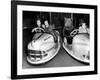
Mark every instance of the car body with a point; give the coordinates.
(42, 48)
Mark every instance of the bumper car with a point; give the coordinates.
(79, 49)
(42, 48)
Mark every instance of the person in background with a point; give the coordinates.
(49, 29)
(83, 28)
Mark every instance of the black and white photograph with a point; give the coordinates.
(53, 39)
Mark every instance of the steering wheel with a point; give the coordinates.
(74, 32)
(38, 30)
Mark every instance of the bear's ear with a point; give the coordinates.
(68, 20)
(65, 19)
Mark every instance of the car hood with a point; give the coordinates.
(44, 42)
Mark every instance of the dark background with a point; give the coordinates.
(30, 17)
